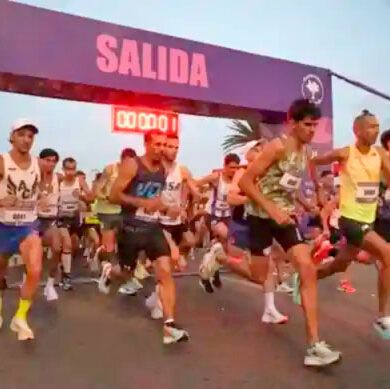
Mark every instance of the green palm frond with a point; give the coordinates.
(242, 132)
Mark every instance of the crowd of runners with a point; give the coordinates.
(147, 215)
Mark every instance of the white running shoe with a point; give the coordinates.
(153, 303)
(320, 354)
(22, 329)
(50, 293)
(174, 334)
(128, 288)
(140, 271)
(208, 266)
(274, 317)
(284, 288)
(382, 325)
(104, 280)
(137, 284)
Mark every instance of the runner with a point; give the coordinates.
(361, 165)
(71, 188)
(111, 219)
(137, 189)
(177, 187)
(48, 229)
(218, 214)
(270, 182)
(19, 188)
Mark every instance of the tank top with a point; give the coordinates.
(217, 204)
(172, 194)
(103, 205)
(148, 185)
(24, 185)
(52, 193)
(280, 183)
(359, 185)
(91, 214)
(69, 204)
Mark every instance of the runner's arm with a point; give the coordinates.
(97, 189)
(192, 186)
(88, 195)
(210, 179)
(234, 197)
(271, 153)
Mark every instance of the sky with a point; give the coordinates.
(350, 37)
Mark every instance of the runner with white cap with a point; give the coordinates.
(19, 188)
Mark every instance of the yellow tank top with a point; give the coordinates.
(359, 185)
(91, 217)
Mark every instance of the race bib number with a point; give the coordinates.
(290, 182)
(367, 192)
(18, 217)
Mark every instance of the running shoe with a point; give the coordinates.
(274, 318)
(50, 293)
(128, 288)
(104, 280)
(321, 354)
(217, 280)
(153, 303)
(137, 284)
(346, 287)
(382, 325)
(21, 328)
(206, 286)
(283, 287)
(174, 334)
(66, 283)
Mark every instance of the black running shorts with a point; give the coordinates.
(134, 237)
(263, 231)
(354, 231)
(176, 231)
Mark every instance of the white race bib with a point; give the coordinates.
(19, 216)
(367, 192)
(290, 182)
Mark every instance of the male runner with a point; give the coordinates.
(138, 189)
(174, 195)
(361, 166)
(218, 213)
(71, 188)
(271, 183)
(19, 188)
(111, 218)
(49, 188)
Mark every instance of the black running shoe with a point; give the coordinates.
(217, 280)
(67, 283)
(206, 285)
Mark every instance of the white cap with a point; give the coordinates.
(242, 150)
(20, 123)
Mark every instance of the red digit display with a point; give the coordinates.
(136, 119)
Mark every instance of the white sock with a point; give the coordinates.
(50, 282)
(66, 259)
(269, 302)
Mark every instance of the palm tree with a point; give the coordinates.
(242, 132)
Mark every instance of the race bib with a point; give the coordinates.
(290, 182)
(19, 217)
(367, 192)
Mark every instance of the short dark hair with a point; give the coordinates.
(128, 152)
(172, 135)
(149, 134)
(98, 176)
(80, 173)
(326, 173)
(229, 158)
(68, 160)
(303, 108)
(385, 137)
(46, 153)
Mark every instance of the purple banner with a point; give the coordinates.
(50, 45)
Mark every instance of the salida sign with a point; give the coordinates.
(140, 120)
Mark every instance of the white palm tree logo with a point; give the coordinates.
(312, 88)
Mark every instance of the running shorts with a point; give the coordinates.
(212, 220)
(353, 231)
(263, 231)
(176, 231)
(12, 236)
(382, 228)
(72, 224)
(136, 237)
(45, 224)
(239, 233)
(110, 221)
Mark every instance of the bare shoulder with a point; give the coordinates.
(1, 166)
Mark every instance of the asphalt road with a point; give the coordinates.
(90, 341)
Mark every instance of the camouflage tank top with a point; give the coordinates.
(281, 181)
